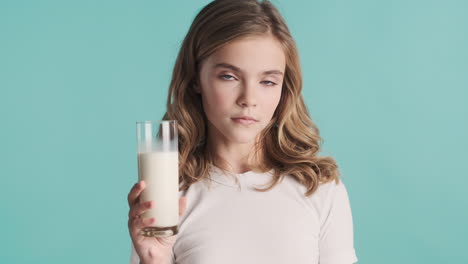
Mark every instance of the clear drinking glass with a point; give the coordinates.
(158, 166)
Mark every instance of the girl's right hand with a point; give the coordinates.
(149, 249)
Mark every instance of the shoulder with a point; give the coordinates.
(332, 188)
(327, 194)
(329, 189)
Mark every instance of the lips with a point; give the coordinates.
(245, 120)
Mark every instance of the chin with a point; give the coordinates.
(243, 138)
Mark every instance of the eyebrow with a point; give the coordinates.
(236, 69)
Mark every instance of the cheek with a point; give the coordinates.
(272, 103)
(217, 100)
(221, 99)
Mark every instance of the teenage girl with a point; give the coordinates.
(253, 189)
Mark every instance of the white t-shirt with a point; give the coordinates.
(232, 224)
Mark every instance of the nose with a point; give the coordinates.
(248, 96)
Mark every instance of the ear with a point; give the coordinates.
(196, 87)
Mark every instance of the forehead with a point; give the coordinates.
(254, 53)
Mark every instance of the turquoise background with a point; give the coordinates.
(385, 81)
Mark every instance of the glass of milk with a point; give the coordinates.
(158, 166)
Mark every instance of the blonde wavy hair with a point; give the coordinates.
(289, 143)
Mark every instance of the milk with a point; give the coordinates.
(160, 171)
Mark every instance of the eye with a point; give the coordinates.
(269, 83)
(227, 77)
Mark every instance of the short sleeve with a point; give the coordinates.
(336, 243)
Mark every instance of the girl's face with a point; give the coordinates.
(243, 78)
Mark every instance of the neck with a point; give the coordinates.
(235, 157)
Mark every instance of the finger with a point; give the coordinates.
(182, 205)
(135, 192)
(137, 224)
(138, 209)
